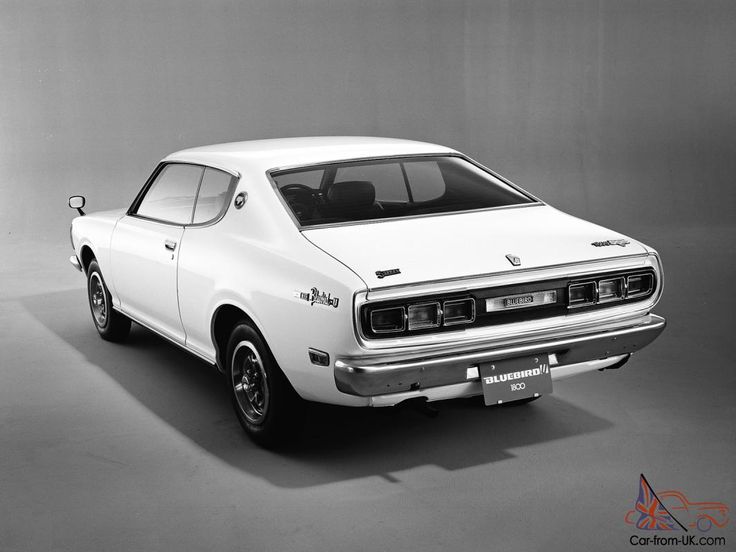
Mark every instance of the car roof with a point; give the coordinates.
(294, 152)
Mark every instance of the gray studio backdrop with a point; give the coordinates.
(619, 111)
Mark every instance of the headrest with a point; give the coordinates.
(352, 193)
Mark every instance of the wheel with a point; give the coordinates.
(111, 325)
(265, 403)
(704, 524)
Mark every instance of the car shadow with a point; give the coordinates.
(338, 443)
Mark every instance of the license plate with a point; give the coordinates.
(513, 379)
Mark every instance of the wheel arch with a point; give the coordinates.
(224, 319)
(86, 256)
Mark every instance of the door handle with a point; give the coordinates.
(170, 245)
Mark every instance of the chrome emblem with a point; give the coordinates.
(240, 199)
(514, 260)
(518, 301)
(622, 243)
(317, 297)
(381, 274)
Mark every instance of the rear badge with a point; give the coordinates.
(514, 260)
(533, 299)
(381, 274)
(522, 301)
(622, 243)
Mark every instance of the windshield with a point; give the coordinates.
(391, 188)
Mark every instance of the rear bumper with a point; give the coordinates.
(389, 381)
(75, 263)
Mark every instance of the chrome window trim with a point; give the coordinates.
(154, 175)
(534, 201)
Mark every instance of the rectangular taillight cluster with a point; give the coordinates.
(610, 289)
(425, 315)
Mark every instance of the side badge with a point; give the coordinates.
(513, 259)
(240, 199)
(317, 297)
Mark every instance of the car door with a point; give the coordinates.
(145, 248)
(205, 255)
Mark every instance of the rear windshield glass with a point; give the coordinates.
(391, 188)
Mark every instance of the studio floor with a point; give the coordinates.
(134, 446)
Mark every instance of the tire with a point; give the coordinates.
(110, 324)
(264, 401)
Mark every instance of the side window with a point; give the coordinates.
(425, 180)
(213, 195)
(387, 179)
(171, 196)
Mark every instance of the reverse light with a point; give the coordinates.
(390, 320)
(424, 315)
(610, 290)
(460, 311)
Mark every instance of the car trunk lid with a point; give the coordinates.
(459, 245)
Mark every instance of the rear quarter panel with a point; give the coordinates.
(257, 260)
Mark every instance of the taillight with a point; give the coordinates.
(458, 311)
(582, 294)
(639, 285)
(390, 320)
(622, 287)
(418, 316)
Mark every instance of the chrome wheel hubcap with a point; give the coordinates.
(98, 299)
(249, 382)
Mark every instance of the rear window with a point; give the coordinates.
(391, 188)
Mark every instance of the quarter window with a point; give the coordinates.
(171, 196)
(213, 195)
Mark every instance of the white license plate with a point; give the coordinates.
(513, 379)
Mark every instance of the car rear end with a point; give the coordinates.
(437, 340)
(472, 285)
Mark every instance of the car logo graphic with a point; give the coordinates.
(513, 259)
(381, 274)
(671, 511)
(622, 243)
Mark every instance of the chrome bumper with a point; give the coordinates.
(372, 377)
(75, 263)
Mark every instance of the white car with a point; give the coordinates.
(363, 272)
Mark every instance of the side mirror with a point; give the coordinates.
(77, 202)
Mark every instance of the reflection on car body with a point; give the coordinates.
(363, 272)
